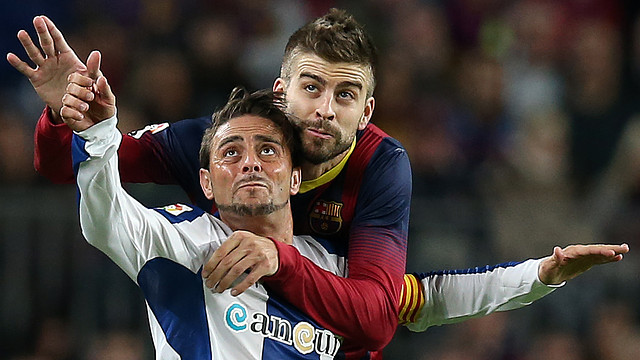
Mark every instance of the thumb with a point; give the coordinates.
(93, 64)
(105, 90)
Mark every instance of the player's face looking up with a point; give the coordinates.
(250, 168)
(329, 102)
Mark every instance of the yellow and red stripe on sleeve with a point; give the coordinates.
(411, 299)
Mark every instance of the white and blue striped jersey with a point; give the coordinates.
(163, 251)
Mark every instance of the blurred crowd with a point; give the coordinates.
(521, 119)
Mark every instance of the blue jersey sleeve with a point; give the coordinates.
(178, 146)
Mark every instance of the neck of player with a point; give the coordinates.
(312, 171)
(277, 225)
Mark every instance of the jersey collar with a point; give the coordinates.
(329, 175)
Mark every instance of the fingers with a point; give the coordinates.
(30, 48)
(20, 65)
(211, 271)
(254, 266)
(235, 272)
(75, 103)
(58, 40)
(81, 87)
(75, 100)
(70, 113)
(241, 252)
(93, 64)
(257, 272)
(223, 268)
(46, 41)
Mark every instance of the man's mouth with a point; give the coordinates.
(319, 133)
(252, 185)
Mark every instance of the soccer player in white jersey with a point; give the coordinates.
(250, 173)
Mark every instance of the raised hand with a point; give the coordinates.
(565, 264)
(241, 252)
(54, 63)
(88, 98)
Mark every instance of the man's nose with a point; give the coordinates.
(326, 106)
(251, 163)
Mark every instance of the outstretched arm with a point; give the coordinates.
(111, 220)
(446, 297)
(141, 157)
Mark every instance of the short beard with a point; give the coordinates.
(252, 210)
(316, 151)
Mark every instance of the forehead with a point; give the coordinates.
(246, 127)
(307, 63)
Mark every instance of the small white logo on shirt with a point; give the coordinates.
(153, 128)
(176, 209)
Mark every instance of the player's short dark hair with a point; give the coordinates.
(335, 37)
(263, 103)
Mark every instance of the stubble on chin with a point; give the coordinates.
(251, 210)
(318, 151)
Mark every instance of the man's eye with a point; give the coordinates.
(230, 152)
(311, 88)
(268, 151)
(345, 95)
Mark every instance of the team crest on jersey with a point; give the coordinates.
(153, 128)
(176, 209)
(326, 217)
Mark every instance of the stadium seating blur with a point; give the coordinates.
(520, 119)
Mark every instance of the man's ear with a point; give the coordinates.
(367, 113)
(296, 180)
(279, 85)
(205, 183)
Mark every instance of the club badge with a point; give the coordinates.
(325, 217)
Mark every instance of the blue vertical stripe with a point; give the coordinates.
(78, 153)
(176, 296)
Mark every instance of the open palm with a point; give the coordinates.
(53, 64)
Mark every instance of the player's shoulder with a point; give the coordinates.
(374, 147)
(372, 138)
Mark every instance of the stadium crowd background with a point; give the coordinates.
(521, 120)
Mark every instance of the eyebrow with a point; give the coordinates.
(267, 138)
(324, 82)
(229, 139)
(234, 138)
